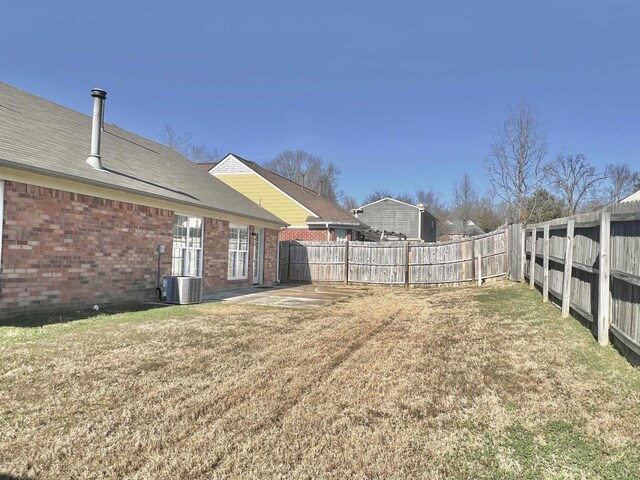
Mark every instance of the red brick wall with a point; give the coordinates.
(216, 257)
(62, 250)
(305, 234)
(65, 250)
(270, 259)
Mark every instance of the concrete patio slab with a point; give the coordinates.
(286, 296)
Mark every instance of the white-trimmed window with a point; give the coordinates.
(341, 234)
(238, 251)
(187, 246)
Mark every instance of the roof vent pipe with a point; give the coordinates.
(99, 96)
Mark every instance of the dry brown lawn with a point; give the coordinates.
(393, 383)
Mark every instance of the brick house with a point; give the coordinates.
(310, 215)
(93, 214)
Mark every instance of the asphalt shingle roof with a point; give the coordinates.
(43, 137)
(454, 227)
(327, 210)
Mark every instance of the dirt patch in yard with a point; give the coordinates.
(393, 383)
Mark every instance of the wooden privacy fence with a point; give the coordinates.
(400, 263)
(589, 265)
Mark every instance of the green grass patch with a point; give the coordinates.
(520, 304)
(14, 335)
(554, 449)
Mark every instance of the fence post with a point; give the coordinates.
(288, 260)
(507, 248)
(406, 264)
(473, 259)
(479, 269)
(545, 264)
(603, 280)
(568, 269)
(346, 262)
(532, 260)
(523, 250)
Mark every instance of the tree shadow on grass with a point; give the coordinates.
(32, 320)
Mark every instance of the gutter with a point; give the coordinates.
(354, 226)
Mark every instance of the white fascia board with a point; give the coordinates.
(388, 198)
(335, 224)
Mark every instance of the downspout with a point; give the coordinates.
(420, 224)
(277, 256)
(328, 233)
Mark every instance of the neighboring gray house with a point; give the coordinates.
(454, 230)
(403, 219)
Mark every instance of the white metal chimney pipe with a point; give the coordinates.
(99, 97)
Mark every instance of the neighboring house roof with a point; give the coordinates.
(39, 136)
(634, 197)
(417, 207)
(323, 210)
(455, 227)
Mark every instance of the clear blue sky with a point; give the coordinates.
(399, 95)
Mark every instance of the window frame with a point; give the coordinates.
(232, 272)
(343, 238)
(187, 249)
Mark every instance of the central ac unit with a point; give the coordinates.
(183, 290)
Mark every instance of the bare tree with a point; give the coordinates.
(405, 197)
(183, 144)
(377, 194)
(347, 202)
(573, 180)
(465, 201)
(307, 170)
(435, 206)
(621, 181)
(515, 160)
(431, 201)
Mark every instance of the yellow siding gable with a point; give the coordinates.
(256, 188)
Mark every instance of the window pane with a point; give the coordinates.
(233, 238)
(232, 263)
(242, 264)
(187, 245)
(238, 251)
(179, 243)
(177, 263)
(194, 263)
(195, 232)
(244, 239)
